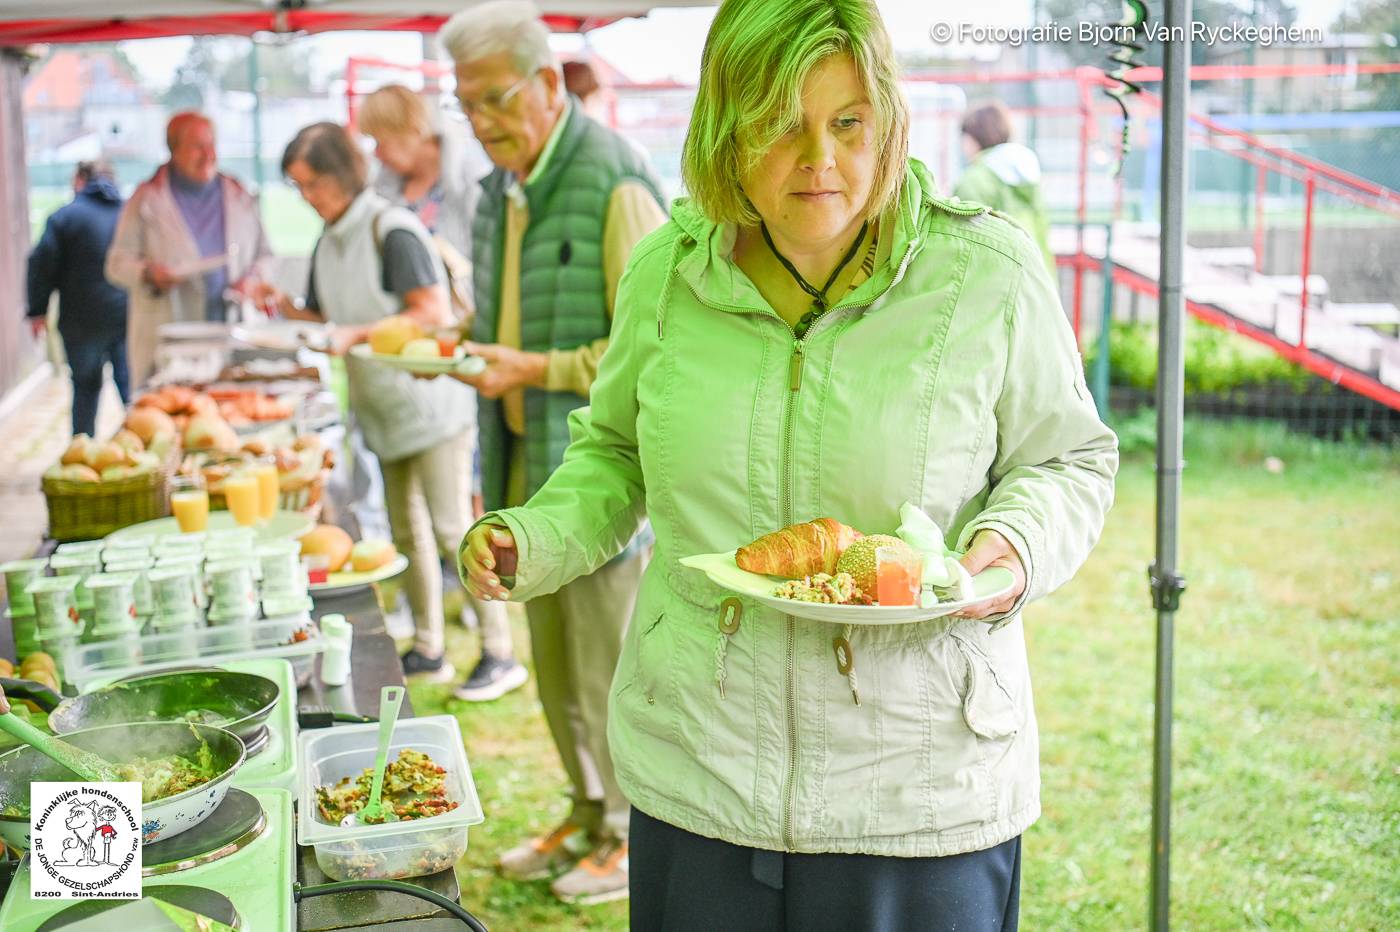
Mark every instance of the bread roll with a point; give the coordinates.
(329, 541)
(371, 554)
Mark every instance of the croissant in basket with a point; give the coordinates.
(798, 550)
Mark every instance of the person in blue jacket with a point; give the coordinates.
(91, 311)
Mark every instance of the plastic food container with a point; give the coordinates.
(229, 629)
(115, 645)
(61, 645)
(18, 575)
(175, 638)
(398, 849)
(285, 615)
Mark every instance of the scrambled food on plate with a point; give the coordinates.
(824, 588)
(171, 775)
(414, 787)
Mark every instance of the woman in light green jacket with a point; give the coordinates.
(815, 332)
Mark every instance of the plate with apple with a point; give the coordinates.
(400, 342)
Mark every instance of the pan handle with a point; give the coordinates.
(41, 695)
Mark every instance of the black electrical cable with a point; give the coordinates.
(1134, 18)
(392, 886)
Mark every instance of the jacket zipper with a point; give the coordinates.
(789, 413)
(789, 407)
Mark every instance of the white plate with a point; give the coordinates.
(344, 582)
(193, 330)
(423, 365)
(724, 572)
(284, 335)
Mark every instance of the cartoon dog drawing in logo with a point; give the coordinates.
(82, 822)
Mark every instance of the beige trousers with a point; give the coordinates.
(576, 636)
(428, 497)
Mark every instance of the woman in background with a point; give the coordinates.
(1003, 175)
(433, 166)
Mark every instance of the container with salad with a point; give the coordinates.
(428, 783)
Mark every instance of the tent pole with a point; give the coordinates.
(1166, 582)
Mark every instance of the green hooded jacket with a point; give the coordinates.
(949, 379)
(1006, 178)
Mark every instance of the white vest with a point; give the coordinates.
(399, 415)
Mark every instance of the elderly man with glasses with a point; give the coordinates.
(557, 221)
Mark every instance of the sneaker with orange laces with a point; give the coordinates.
(599, 878)
(544, 857)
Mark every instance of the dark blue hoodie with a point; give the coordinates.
(69, 258)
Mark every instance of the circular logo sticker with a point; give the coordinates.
(85, 840)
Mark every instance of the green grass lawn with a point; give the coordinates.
(1287, 802)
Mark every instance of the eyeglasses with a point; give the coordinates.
(495, 104)
(316, 182)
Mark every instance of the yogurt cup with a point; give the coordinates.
(145, 597)
(194, 563)
(125, 552)
(79, 546)
(81, 565)
(18, 575)
(55, 604)
(113, 602)
(175, 596)
(231, 587)
(281, 567)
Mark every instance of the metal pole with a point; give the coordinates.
(254, 79)
(1309, 191)
(1166, 583)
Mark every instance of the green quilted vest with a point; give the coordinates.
(563, 297)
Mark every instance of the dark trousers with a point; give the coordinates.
(86, 357)
(682, 882)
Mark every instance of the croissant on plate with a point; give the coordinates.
(798, 550)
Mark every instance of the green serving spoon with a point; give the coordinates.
(390, 699)
(87, 765)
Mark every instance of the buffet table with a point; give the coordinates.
(375, 664)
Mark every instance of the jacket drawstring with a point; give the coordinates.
(846, 661)
(666, 286)
(730, 611)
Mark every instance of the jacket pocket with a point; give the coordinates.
(988, 706)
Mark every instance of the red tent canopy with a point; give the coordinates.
(26, 22)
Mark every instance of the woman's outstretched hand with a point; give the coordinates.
(490, 553)
(991, 548)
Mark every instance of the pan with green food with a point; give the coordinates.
(240, 702)
(184, 771)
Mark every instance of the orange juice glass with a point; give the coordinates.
(241, 494)
(189, 500)
(265, 470)
(899, 575)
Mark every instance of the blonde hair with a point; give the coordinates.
(757, 56)
(396, 111)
